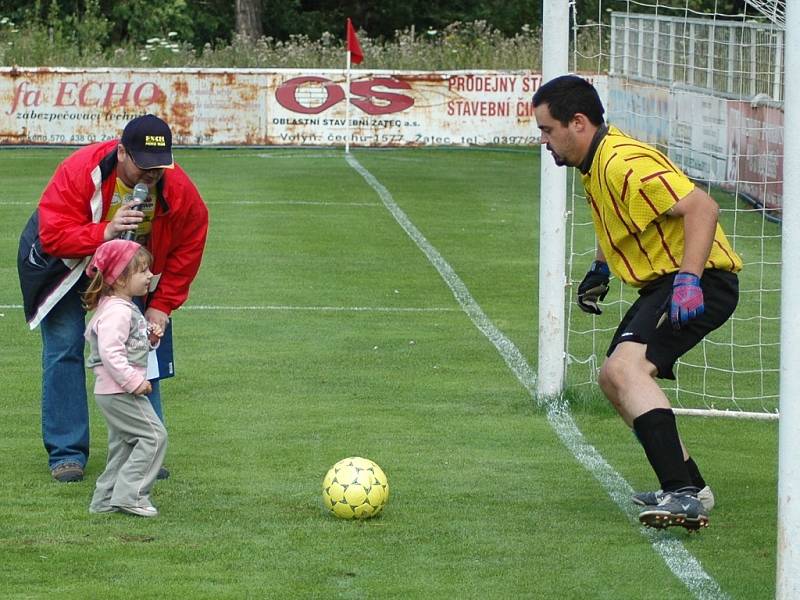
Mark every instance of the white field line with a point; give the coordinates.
(282, 307)
(291, 203)
(680, 561)
(34, 202)
(378, 309)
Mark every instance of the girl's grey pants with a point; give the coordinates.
(137, 442)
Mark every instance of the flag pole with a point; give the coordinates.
(347, 106)
(354, 55)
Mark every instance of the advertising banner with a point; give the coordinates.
(640, 110)
(271, 107)
(735, 144)
(756, 134)
(698, 141)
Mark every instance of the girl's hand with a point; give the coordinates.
(154, 333)
(153, 315)
(144, 389)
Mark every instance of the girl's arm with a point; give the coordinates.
(113, 329)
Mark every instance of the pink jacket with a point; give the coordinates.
(118, 346)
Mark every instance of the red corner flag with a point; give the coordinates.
(353, 47)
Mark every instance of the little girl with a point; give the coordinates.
(119, 341)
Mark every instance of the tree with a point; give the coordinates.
(248, 18)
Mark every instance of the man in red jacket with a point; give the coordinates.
(88, 201)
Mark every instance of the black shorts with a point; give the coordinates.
(665, 344)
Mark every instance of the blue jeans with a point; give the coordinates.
(65, 412)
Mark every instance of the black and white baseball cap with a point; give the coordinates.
(148, 140)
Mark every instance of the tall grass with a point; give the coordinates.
(78, 42)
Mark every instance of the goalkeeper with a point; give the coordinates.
(657, 232)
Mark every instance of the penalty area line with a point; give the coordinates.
(292, 203)
(679, 560)
(325, 203)
(380, 309)
(283, 307)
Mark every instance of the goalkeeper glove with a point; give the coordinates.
(593, 288)
(687, 299)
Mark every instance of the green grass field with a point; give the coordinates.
(316, 330)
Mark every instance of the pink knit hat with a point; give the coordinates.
(111, 258)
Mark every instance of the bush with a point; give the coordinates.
(82, 41)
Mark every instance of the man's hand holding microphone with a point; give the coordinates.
(128, 217)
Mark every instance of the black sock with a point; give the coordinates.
(694, 473)
(658, 434)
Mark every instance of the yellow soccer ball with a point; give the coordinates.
(355, 488)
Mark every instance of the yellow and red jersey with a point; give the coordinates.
(630, 186)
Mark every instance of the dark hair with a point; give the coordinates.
(569, 95)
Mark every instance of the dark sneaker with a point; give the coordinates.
(67, 471)
(706, 497)
(163, 473)
(681, 507)
(103, 508)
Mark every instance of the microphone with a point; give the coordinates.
(140, 191)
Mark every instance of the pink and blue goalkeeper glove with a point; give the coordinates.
(687, 299)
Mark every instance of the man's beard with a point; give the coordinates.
(560, 161)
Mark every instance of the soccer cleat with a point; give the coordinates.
(706, 497)
(679, 508)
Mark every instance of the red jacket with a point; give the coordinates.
(72, 221)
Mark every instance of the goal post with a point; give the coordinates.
(788, 569)
(552, 213)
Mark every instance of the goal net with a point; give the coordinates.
(705, 89)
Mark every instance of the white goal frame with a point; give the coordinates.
(788, 570)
